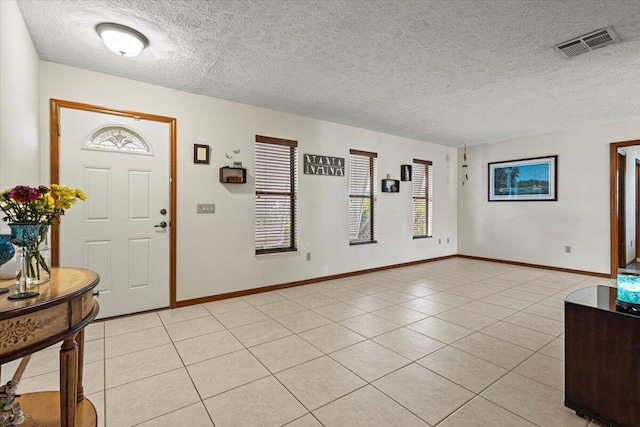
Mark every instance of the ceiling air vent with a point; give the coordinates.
(588, 42)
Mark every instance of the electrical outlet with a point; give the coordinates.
(206, 208)
(567, 249)
(308, 256)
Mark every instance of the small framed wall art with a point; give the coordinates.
(405, 173)
(201, 154)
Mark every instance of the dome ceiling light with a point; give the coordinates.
(122, 40)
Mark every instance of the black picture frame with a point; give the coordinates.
(390, 186)
(405, 172)
(201, 154)
(534, 180)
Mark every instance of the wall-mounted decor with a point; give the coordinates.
(405, 173)
(201, 154)
(230, 157)
(390, 186)
(465, 167)
(233, 175)
(532, 179)
(323, 165)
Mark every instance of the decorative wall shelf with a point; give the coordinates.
(233, 175)
(390, 186)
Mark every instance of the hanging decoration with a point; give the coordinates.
(465, 167)
(230, 157)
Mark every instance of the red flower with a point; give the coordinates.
(23, 194)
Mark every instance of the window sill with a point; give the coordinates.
(422, 237)
(275, 251)
(362, 243)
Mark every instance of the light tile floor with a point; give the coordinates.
(451, 343)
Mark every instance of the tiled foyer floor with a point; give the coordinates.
(450, 343)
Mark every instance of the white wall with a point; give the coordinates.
(537, 232)
(19, 108)
(19, 101)
(215, 253)
(633, 154)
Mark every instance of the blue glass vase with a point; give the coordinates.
(6, 253)
(6, 248)
(23, 235)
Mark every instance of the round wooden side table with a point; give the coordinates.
(66, 305)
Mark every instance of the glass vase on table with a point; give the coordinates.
(39, 258)
(24, 235)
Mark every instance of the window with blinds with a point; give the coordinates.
(363, 175)
(276, 189)
(422, 211)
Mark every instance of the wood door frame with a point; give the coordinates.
(637, 214)
(621, 208)
(613, 203)
(54, 175)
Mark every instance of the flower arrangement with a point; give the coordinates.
(41, 205)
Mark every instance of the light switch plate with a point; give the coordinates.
(206, 208)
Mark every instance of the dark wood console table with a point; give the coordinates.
(64, 307)
(602, 358)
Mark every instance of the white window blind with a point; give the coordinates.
(276, 190)
(363, 173)
(422, 211)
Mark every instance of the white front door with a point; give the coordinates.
(117, 231)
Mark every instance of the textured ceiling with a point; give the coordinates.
(451, 72)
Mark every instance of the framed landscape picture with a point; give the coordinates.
(532, 179)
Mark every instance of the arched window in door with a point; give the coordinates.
(117, 138)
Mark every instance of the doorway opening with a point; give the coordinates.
(621, 219)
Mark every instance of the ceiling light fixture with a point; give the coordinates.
(122, 40)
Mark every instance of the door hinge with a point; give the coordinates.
(136, 118)
(59, 129)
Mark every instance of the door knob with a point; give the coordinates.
(163, 224)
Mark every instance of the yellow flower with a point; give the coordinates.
(48, 201)
(63, 204)
(64, 197)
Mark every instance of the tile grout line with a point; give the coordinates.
(104, 370)
(270, 374)
(184, 366)
(492, 383)
(154, 375)
(493, 403)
